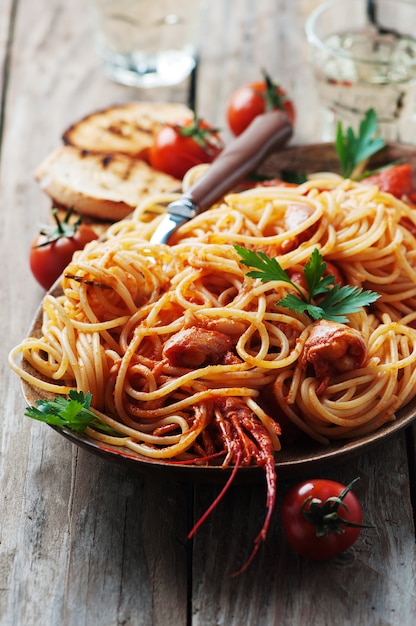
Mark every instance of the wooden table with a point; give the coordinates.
(84, 542)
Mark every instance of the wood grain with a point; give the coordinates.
(84, 542)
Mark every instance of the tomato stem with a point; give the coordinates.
(325, 515)
(206, 138)
(62, 229)
(273, 96)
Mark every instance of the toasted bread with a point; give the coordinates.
(128, 128)
(107, 186)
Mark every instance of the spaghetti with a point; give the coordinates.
(175, 343)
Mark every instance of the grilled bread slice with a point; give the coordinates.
(129, 128)
(106, 186)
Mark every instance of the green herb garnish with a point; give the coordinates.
(337, 302)
(73, 413)
(354, 150)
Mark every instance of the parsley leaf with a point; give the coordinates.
(268, 267)
(344, 300)
(73, 413)
(354, 150)
(294, 303)
(335, 305)
(314, 275)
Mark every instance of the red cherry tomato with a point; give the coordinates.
(178, 147)
(255, 99)
(54, 246)
(321, 518)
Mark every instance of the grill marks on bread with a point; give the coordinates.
(128, 129)
(107, 186)
(101, 170)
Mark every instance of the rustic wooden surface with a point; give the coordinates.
(84, 542)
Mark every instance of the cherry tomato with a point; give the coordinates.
(321, 518)
(255, 99)
(396, 179)
(178, 147)
(54, 246)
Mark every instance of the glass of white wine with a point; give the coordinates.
(363, 53)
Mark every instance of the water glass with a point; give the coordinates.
(147, 43)
(363, 54)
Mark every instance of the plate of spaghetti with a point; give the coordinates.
(196, 368)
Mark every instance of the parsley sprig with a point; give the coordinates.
(354, 150)
(337, 302)
(73, 413)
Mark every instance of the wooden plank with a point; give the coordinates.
(101, 544)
